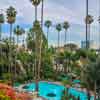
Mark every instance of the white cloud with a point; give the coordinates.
(56, 11)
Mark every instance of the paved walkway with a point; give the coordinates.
(39, 98)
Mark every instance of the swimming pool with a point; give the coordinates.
(46, 88)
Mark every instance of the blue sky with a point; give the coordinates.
(57, 11)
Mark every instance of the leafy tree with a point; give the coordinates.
(47, 71)
(92, 74)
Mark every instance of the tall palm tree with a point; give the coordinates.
(18, 31)
(1, 22)
(11, 17)
(65, 26)
(89, 20)
(37, 30)
(48, 24)
(87, 8)
(41, 37)
(35, 3)
(58, 28)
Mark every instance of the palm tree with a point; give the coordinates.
(1, 22)
(18, 31)
(65, 26)
(58, 28)
(41, 37)
(35, 3)
(11, 17)
(89, 20)
(99, 31)
(48, 24)
(86, 24)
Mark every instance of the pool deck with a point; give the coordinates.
(39, 98)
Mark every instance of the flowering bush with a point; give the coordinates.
(3, 96)
(7, 93)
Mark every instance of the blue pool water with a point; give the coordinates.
(47, 88)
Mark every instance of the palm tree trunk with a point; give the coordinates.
(99, 36)
(88, 93)
(16, 57)
(87, 24)
(10, 48)
(23, 41)
(10, 32)
(58, 39)
(82, 74)
(65, 36)
(42, 13)
(40, 54)
(36, 64)
(35, 13)
(95, 87)
(88, 36)
(40, 49)
(47, 37)
(39, 64)
(1, 43)
(17, 40)
(36, 71)
(10, 53)
(0, 38)
(0, 31)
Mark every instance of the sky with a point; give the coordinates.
(58, 11)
